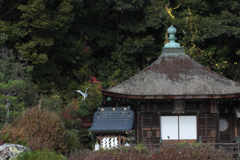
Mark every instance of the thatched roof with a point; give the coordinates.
(176, 75)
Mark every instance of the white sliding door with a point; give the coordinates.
(169, 127)
(187, 127)
(178, 127)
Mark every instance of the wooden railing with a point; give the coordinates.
(229, 148)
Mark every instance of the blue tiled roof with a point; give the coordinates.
(112, 120)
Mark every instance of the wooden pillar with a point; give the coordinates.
(160, 134)
(236, 128)
(142, 127)
(138, 123)
(104, 101)
(231, 129)
(101, 140)
(124, 141)
(138, 128)
(217, 128)
(119, 141)
(206, 134)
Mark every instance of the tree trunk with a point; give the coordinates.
(7, 110)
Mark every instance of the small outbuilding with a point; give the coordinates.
(174, 99)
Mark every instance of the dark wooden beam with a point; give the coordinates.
(118, 95)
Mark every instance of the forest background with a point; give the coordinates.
(51, 47)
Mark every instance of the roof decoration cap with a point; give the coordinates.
(172, 30)
(172, 47)
(172, 44)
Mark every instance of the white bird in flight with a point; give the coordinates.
(84, 94)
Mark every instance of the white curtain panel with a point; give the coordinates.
(187, 127)
(169, 127)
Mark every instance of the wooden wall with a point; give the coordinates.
(148, 112)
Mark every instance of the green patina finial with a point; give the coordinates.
(172, 47)
(172, 31)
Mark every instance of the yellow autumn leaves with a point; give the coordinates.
(169, 10)
(226, 62)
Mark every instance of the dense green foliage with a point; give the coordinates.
(70, 40)
(72, 139)
(52, 47)
(16, 87)
(209, 31)
(44, 154)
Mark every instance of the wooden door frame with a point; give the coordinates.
(141, 117)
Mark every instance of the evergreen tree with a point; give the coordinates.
(16, 88)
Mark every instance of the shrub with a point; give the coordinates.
(45, 154)
(189, 151)
(114, 154)
(76, 117)
(79, 154)
(38, 128)
(53, 103)
(177, 151)
(72, 139)
(140, 147)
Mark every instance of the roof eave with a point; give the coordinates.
(127, 96)
(110, 131)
